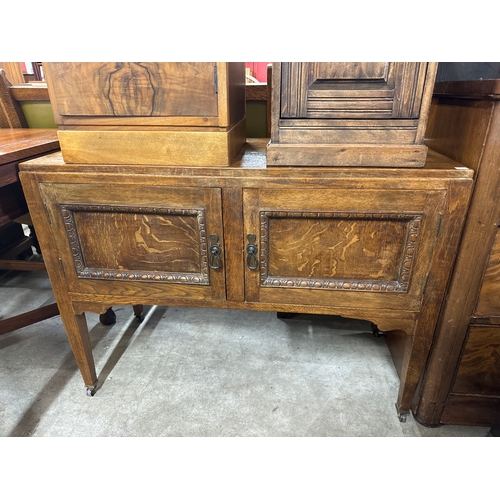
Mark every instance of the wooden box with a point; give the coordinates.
(149, 113)
(350, 114)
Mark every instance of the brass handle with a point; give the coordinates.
(214, 258)
(252, 261)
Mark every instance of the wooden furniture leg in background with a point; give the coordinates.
(109, 317)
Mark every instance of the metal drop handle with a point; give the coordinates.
(214, 257)
(252, 261)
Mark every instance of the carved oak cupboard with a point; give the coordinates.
(373, 244)
(350, 114)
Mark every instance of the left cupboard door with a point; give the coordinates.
(138, 240)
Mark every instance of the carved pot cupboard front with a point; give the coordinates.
(350, 114)
(376, 244)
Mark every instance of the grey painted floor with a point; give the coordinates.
(198, 372)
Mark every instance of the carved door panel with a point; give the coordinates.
(134, 239)
(134, 89)
(356, 247)
(368, 90)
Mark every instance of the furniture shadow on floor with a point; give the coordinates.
(48, 395)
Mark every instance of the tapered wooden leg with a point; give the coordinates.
(415, 356)
(78, 336)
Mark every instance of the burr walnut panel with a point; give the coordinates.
(135, 89)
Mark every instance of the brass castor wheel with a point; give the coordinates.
(402, 417)
(108, 318)
(90, 391)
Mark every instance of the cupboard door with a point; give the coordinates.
(334, 247)
(137, 239)
(334, 90)
(134, 89)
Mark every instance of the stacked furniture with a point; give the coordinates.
(374, 238)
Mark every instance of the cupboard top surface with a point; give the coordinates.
(251, 162)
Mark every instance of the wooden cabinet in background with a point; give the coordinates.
(350, 114)
(372, 244)
(462, 380)
(148, 113)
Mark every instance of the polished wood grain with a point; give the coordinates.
(296, 246)
(133, 89)
(470, 410)
(465, 126)
(424, 206)
(479, 369)
(16, 144)
(29, 92)
(152, 147)
(129, 241)
(489, 295)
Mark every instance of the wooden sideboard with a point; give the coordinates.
(462, 380)
(366, 243)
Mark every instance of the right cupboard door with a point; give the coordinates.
(340, 247)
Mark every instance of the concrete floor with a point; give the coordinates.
(198, 372)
